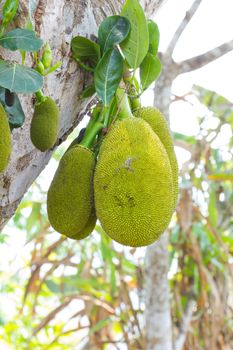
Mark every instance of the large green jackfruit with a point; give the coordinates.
(5, 139)
(159, 125)
(45, 124)
(133, 184)
(88, 228)
(70, 201)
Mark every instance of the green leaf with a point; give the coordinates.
(181, 137)
(221, 177)
(21, 39)
(18, 78)
(135, 46)
(153, 37)
(15, 112)
(218, 104)
(149, 70)
(8, 13)
(88, 92)
(99, 325)
(33, 218)
(85, 50)
(113, 30)
(106, 250)
(113, 280)
(212, 208)
(108, 74)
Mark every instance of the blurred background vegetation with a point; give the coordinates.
(57, 293)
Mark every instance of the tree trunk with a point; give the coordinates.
(56, 21)
(158, 317)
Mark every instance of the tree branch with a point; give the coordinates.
(187, 318)
(188, 16)
(207, 57)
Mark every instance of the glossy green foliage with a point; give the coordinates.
(21, 39)
(85, 51)
(150, 70)
(108, 75)
(112, 31)
(13, 108)
(18, 78)
(153, 37)
(136, 45)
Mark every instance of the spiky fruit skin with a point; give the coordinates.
(5, 140)
(88, 228)
(70, 202)
(133, 184)
(159, 125)
(45, 124)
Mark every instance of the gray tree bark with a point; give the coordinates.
(157, 314)
(56, 21)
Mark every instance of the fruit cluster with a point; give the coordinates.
(122, 168)
(131, 186)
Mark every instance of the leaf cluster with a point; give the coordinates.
(126, 43)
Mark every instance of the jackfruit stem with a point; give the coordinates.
(40, 97)
(135, 103)
(124, 110)
(133, 92)
(94, 118)
(90, 135)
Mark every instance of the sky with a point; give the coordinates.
(211, 26)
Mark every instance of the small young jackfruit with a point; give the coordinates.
(5, 139)
(45, 124)
(159, 125)
(133, 184)
(70, 196)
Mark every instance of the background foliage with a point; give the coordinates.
(60, 294)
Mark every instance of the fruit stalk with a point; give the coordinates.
(40, 96)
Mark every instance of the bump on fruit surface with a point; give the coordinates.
(159, 125)
(133, 184)
(45, 124)
(5, 140)
(70, 201)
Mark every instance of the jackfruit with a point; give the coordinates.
(5, 139)
(159, 125)
(45, 124)
(88, 228)
(133, 185)
(70, 201)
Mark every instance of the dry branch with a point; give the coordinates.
(206, 58)
(189, 14)
(184, 328)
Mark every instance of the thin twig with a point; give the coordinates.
(184, 328)
(189, 14)
(66, 302)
